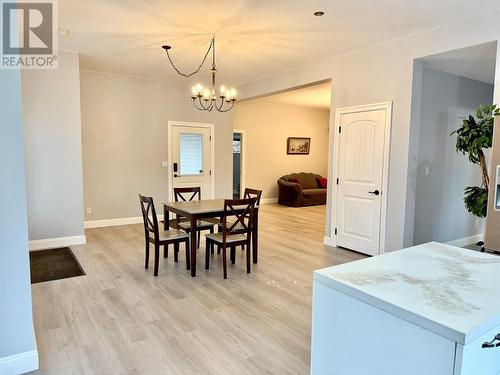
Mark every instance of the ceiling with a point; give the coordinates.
(317, 96)
(476, 62)
(255, 38)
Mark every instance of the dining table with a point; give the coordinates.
(196, 210)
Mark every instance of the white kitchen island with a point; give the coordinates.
(422, 310)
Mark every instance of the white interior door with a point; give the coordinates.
(191, 158)
(363, 139)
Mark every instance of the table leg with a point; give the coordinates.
(193, 245)
(255, 236)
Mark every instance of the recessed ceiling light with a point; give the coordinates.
(319, 13)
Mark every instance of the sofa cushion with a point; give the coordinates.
(322, 182)
(311, 192)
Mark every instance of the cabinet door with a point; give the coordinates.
(351, 337)
(473, 359)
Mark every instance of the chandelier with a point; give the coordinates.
(205, 98)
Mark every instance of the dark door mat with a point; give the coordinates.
(54, 264)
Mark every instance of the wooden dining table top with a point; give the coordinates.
(198, 206)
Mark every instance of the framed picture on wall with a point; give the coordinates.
(298, 146)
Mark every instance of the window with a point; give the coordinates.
(191, 153)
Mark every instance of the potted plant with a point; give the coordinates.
(473, 137)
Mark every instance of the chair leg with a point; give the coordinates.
(224, 262)
(188, 255)
(233, 254)
(146, 264)
(218, 249)
(198, 239)
(211, 243)
(176, 252)
(248, 257)
(165, 251)
(157, 258)
(208, 245)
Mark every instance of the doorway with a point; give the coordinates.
(238, 163)
(191, 157)
(361, 145)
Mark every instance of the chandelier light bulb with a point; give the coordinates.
(206, 94)
(194, 91)
(199, 88)
(223, 90)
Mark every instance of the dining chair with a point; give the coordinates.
(234, 233)
(249, 193)
(187, 194)
(153, 235)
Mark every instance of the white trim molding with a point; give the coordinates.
(465, 241)
(116, 222)
(327, 240)
(19, 363)
(52, 243)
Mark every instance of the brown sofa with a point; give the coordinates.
(301, 189)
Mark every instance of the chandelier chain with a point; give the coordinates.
(187, 75)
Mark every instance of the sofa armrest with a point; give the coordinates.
(290, 193)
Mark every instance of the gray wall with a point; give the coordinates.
(16, 323)
(440, 214)
(51, 111)
(124, 127)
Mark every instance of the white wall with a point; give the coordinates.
(124, 126)
(17, 346)
(52, 130)
(267, 126)
(440, 214)
(381, 73)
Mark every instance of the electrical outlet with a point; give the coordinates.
(89, 210)
(427, 171)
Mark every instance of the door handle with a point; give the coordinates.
(175, 175)
(375, 192)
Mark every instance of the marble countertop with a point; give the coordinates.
(449, 290)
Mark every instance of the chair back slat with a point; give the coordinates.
(243, 211)
(149, 215)
(253, 193)
(182, 193)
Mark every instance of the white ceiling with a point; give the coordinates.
(476, 62)
(317, 96)
(256, 38)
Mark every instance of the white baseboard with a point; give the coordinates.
(115, 222)
(467, 240)
(19, 363)
(268, 200)
(52, 243)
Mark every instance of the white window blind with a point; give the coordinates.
(191, 153)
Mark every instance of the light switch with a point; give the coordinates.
(427, 171)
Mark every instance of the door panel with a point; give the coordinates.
(361, 165)
(191, 158)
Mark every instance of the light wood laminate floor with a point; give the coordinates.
(119, 319)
